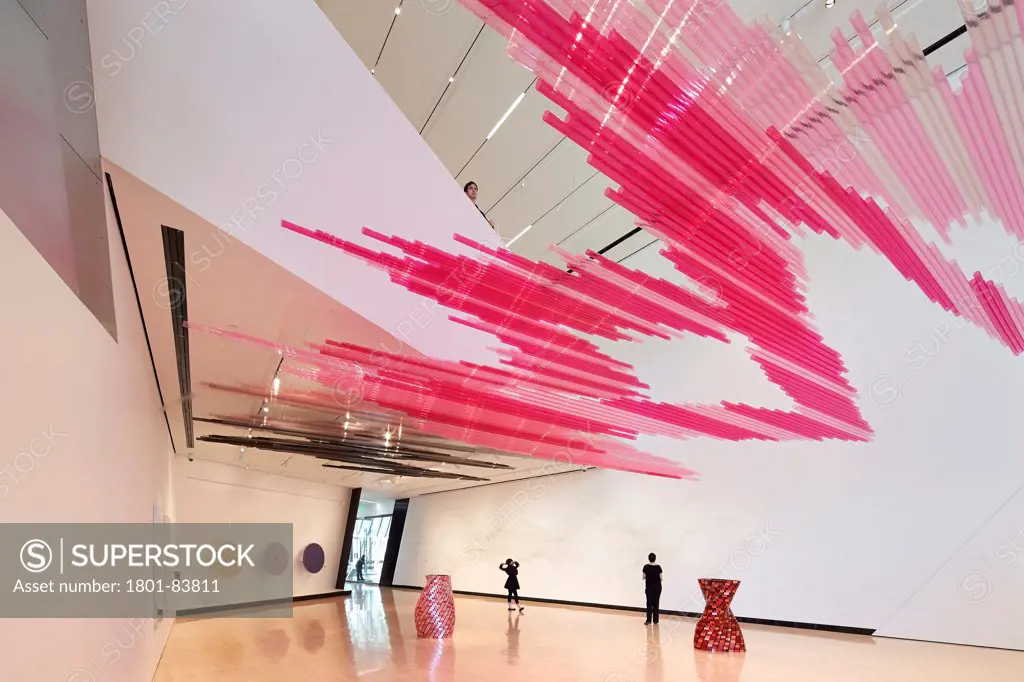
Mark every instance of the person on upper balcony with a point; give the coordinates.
(471, 190)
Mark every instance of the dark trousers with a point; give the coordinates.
(652, 606)
(513, 594)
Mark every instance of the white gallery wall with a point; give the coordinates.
(83, 440)
(209, 492)
(918, 534)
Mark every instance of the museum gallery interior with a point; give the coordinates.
(611, 340)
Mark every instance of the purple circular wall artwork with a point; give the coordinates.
(313, 557)
(275, 558)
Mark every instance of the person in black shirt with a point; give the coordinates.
(652, 588)
(471, 190)
(511, 569)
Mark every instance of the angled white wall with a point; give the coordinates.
(250, 111)
(84, 440)
(209, 492)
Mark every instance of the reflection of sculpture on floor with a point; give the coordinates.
(710, 667)
(717, 629)
(435, 609)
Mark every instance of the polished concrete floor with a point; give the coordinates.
(371, 637)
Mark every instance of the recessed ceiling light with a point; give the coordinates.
(506, 115)
(527, 229)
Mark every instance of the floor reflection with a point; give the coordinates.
(370, 637)
(718, 667)
(654, 671)
(394, 623)
(274, 644)
(367, 637)
(435, 659)
(512, 640)
(314, 636)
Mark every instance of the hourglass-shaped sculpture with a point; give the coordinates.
(717, 629)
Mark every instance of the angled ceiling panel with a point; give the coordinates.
(600, 233)
(558, 175)
(364, 23)
(487, 86)
(565, 223)
(521, 141)
(421, 54)
(230, 285)
(318, 142)
(950, 57)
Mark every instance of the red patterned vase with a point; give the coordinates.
(717, 629)
(435, 609)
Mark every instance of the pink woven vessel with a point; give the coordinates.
(435, 609)
(717, 629)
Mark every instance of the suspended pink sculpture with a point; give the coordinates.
(727, 141)
(474, 404)
(435, 609)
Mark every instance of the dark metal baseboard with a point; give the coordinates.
(665, 612)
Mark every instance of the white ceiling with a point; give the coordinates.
(527, 174)
(231, 286)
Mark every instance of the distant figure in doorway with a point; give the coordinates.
(652, 588)
(471, 190)
(359, 567)
(511, 569)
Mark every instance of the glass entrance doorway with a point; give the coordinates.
(369, 542)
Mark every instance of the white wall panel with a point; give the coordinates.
(208, 492)
(84, 440)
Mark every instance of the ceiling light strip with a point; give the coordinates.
(495, 128)
(398, 11)
(505, 116)
(451, 80)
(524, 175)
(513, 240)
